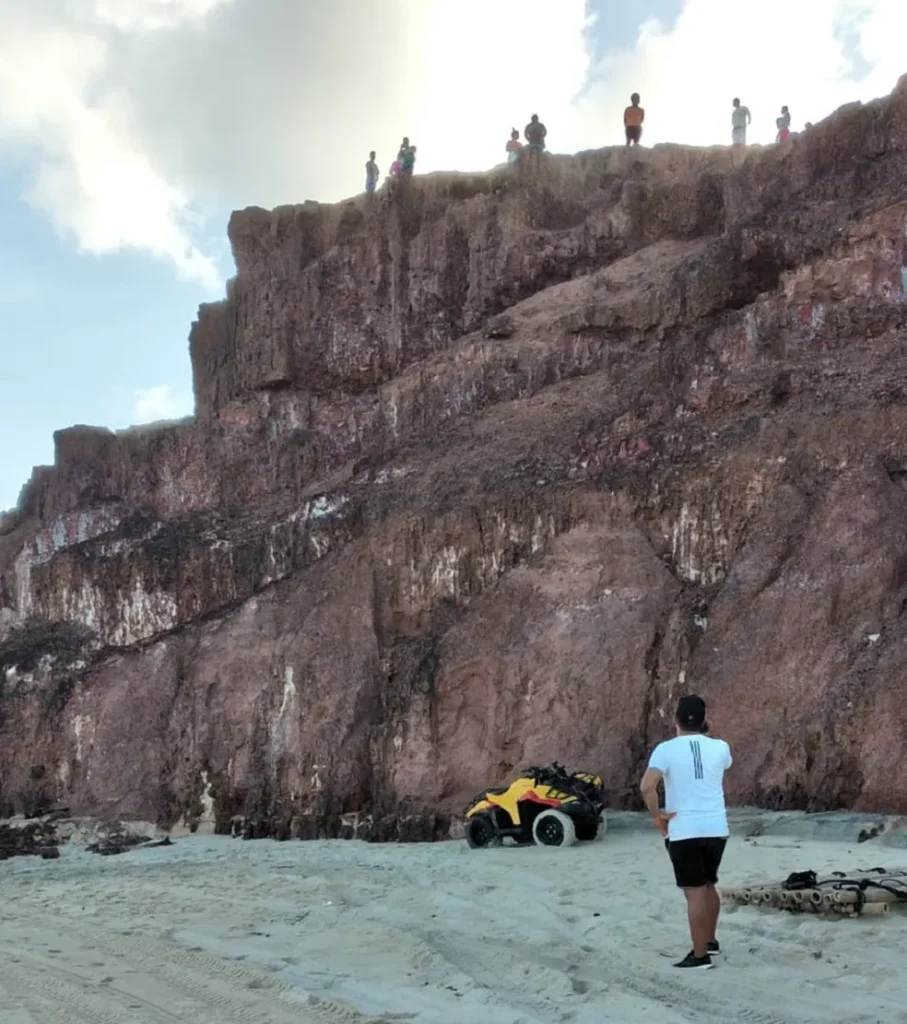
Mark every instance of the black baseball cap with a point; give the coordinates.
(691, 712)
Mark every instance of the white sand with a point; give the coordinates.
(217, 931)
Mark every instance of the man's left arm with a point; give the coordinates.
(649, 789)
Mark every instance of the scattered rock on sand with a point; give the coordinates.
(30, 839)
(121, 840)
(42, 837)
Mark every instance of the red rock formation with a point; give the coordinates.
(486, 470)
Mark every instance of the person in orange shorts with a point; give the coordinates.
(634, 116)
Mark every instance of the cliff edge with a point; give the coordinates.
(487, 470)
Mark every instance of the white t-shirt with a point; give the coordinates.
(740, 116)
(693, 767)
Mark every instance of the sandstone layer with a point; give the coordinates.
(487, 470)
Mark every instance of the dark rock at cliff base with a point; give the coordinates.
(122, 842)
(32, 839)
(112, 845)
(487, 473)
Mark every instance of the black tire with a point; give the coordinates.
(588, 829)
(554, 828)
(482, 832)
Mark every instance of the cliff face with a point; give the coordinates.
(485, 471)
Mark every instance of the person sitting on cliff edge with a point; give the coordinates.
(634, 116)
(513, 147)
(535, 133)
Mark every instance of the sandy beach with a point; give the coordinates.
(214, 931)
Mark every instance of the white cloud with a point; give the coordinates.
(279, 101)
(770, 53)
(137, 120)
(478, 68)
(161, 403)
(149, 15)
(92, 171)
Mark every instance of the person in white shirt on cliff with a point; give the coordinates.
(740, 118)
(694, 820)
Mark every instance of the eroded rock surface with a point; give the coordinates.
(487, 470)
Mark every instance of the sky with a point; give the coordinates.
(129, 129)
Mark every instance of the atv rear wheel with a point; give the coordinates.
(481, 831)
(554, 828)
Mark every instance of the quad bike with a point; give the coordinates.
(548, 806)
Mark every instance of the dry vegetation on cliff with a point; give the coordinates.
(407, 545)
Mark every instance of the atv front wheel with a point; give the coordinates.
(481, 831)
(554, 828)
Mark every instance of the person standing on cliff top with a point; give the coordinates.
(513, 147)
(371, 174)
(783, 125)
(407, 156)
(634, 116)
(535, 133)
(740, 118)
(694, 821)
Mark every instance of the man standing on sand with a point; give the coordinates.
(371, 174)
(694, 821)
(740, 118)
(634, 116)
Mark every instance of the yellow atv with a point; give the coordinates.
(548, 806)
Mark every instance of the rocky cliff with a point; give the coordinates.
(487, 470)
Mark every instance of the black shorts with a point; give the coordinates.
(634, 132)
(696, 861)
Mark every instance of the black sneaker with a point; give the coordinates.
(701, 963)
(713, 949)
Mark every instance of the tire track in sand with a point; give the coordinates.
(217, 990)
(50, 997)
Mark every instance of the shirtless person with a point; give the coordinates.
(634, 116)
(694, 821)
